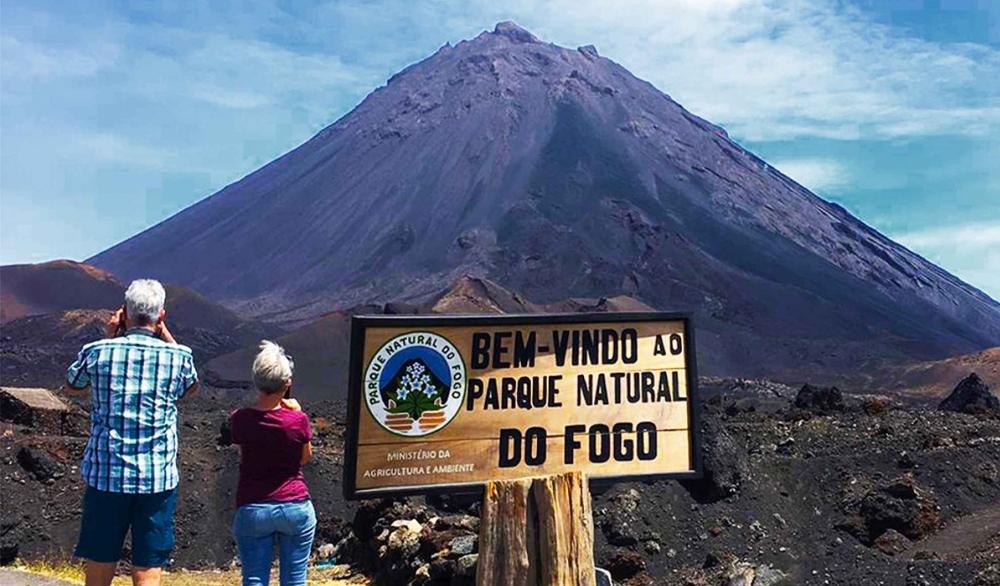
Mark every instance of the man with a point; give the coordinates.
(135, 377)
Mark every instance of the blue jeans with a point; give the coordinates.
(257, 526)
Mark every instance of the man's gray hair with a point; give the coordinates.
(272, 368)
(144, 301)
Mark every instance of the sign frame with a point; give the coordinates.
(356, 365)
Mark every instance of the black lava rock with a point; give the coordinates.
(39, 464)
(400, 308)
(972, 396)
(225, 433)
(9, 536)
(15, 411)
(819, 399)
(891, 542)
(901, 506)
(456, 503)
(618, 521)
(624, 564)
(725, 465)
(8, 554)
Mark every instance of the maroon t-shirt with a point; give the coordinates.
(271, 451)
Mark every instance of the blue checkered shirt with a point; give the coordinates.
(135, 381)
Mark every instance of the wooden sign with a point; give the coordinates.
(446, 403)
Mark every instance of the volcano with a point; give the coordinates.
(557, 174)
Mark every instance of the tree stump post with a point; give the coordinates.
(537, 532)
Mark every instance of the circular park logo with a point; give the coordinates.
(415, 384)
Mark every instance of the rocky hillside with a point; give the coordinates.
(809, 487)
(321, 348)
(934, 378)
(38, 289)
(52, 309)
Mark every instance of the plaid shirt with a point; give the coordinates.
(135, 382)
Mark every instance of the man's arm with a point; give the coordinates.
(190, 392)
(188, 376)
(77, 382)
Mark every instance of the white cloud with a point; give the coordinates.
(819, 175)
(770, 70)
(971, 251)
(969, 237)
(23, 60)
(228, 97)
(107, 147)
(238, 73)
(149, 97)
(764, 69)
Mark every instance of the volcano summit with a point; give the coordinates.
(556, 173)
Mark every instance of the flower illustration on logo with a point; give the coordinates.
(417, 396)
(415, 384)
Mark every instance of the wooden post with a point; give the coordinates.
(565, 529)
(505, 538)
(537, 532)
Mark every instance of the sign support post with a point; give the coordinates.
(537, 532)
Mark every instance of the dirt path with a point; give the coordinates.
(19, 578)
(962, 537)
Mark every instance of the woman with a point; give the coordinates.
(272, 498)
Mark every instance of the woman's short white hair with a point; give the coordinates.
(272, 368)
(144, 301)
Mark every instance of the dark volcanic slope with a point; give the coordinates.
(558, 174)
(51, 309)
(36, 289)
(321, 348)
(62, 285)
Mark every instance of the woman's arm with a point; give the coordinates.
(307, 448)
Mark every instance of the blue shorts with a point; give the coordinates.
(108, 516)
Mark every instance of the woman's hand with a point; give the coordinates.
(291, 404)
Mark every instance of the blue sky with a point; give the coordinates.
(113, 117)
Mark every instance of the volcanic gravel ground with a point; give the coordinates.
(786, 493)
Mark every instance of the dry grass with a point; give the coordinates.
(68, 572)
(74, 573)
